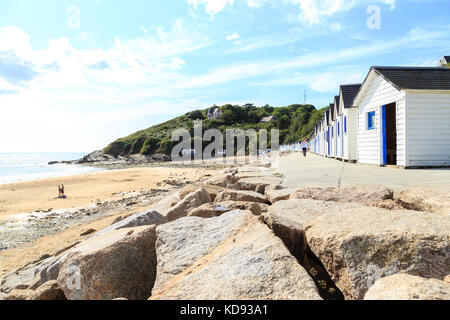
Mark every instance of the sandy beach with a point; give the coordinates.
(83, 190)
(94, 201)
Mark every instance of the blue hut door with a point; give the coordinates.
(342, 136)
(383, 132)
(329, 142)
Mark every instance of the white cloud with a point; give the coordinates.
(212, 6)
(416, 38)
(78, 92)
(311, 11)
(389, 2)
(233, 36)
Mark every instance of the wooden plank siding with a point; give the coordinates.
(428, 129)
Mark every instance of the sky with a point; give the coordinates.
(77, 74)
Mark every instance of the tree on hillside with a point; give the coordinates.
(196, 115)
(283, 122)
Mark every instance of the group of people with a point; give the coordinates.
(61, 194)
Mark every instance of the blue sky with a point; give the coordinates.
(75, 75)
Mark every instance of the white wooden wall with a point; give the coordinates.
(351, 138)
(428, 129)
(333, 139)
(369, 142)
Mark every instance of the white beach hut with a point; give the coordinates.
(338, 130)
(348, 122)
(404, 117)
(334, 127)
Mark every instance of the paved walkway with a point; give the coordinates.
(316, 171)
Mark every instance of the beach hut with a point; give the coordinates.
(338, 129)
(348, 122)
(321, 139)
(404, 117)
(334, 126)
(324, 134)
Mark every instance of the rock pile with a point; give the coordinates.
(241, 235)
(101, 158)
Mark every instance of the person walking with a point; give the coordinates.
(304, 147)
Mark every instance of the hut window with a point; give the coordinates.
(371, 120)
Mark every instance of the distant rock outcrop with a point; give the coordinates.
(100, 158)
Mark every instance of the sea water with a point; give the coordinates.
(17, 167)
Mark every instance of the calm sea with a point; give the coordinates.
(16, 167)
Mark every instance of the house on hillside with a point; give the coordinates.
(214, 113)
(404, 117)
(268, 119)
(348, 137)
(444, 61)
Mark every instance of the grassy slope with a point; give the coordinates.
(295, 122)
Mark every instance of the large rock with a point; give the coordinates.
(425, 200)
(287, 219)
(137, 220)
(18, 280)
(121, 263)
(191, 201)
(256, 183)
(49, 291)
(24, 277)
(367, 195)
(210, 210)
(48, 270)
(246, 170)
(225, 180)
(232, 257)
(181, 243)
(403, 286)
(302, 211)
(278, 195)
(211, 189)
(19, 295)
(237, 195)
(358, 246)
(166, 203)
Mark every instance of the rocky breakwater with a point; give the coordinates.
(241, 235)
(101, 159)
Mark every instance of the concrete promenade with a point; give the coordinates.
(316, 171)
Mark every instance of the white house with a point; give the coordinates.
(404, 117)
(268, 119)
(348, 122)
(214, 113)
